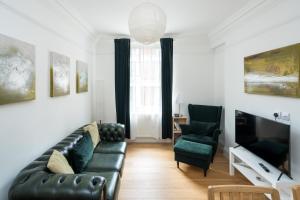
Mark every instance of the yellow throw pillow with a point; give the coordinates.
(93, 130)
(58, 164)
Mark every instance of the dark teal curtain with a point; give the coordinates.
(122, 82)
(167, 84)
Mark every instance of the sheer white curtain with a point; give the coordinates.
(145, 91)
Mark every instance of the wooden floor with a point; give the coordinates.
(151, 174)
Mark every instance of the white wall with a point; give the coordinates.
(29, 128)
(105, 72)
(274, 25)
(192, 72)
(218, 65)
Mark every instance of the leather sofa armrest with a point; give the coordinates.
(46, 186)
(185, 129)
(112, 132)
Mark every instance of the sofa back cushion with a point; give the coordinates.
(81, 153)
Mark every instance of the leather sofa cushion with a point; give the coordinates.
(112, 183)
(193, 149)
(111, 147)
(81, 153)
(105, 162)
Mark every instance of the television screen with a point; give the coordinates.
(266, 138)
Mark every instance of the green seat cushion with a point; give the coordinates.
(111, 147)
(193, 149)
(105, 162)
(81, 153)
(199, 139)
(112, 183)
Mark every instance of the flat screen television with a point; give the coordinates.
(266, 138)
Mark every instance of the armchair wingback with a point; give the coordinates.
(204, 113)
(204, 125)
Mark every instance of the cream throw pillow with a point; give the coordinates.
(93, 130)
(58, 164)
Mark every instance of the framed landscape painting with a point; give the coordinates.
(59, 75)
(81, 77)
(274, 72)
(17, 70)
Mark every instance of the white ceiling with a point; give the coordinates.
(183, 16)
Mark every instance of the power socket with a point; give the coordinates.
(285, 116)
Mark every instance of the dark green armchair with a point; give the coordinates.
(204, 125)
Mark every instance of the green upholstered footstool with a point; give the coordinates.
(193, 153)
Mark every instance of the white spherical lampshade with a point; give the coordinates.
(147, 23)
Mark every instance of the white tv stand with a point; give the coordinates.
(247, 164)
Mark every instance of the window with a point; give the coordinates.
(145, 90)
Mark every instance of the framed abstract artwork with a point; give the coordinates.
(17, 70)
(274, 72)
(81, 77)
(59, 75)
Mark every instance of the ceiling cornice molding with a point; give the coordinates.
(175, 36)
(72, 13)
(39, 24)
(107, 36)
(238, 16)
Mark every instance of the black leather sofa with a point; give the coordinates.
(99, 181)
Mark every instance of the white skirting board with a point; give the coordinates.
(148, 140)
